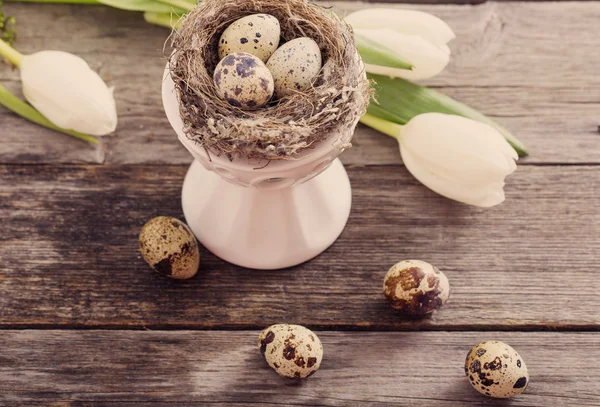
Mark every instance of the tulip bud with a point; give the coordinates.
(456, 157)
(70, 94)
(420, 38)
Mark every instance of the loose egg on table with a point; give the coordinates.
(415, 287)
(256, 34)
(295, 66)
(244, 81)
(496, 370)
(293, 351)
(170, 247)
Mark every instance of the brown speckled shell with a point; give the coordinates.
(256, 34)
(243, 81)
(295, 66)
(415, 287)
(293, 351)
(496, 370)
(170, 247)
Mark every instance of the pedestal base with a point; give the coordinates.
(266, 229)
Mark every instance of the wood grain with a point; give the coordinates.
(69, 261)
(510, 60)
(184, 368)
(69, 255)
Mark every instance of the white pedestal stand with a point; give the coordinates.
(273, 217)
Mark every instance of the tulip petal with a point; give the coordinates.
(427, 58)
(458, 148)
(71, 95)
(408, 22)
(483, 195)
(445, 48)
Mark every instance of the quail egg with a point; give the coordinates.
(295, 66)
(293, 351)
(244, 81)
(415, 287)
(496, 370)
(170, 247)
(256, 34)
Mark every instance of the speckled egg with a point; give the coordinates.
(293, 351)
(415, 287)
(256, 34)
(170, 247)
(496, 370)
(295, 66)
(244, 81)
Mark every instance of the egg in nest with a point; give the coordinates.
(295, 66)
(256, 34)
(243, 81)
(496, 370)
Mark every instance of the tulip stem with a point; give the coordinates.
(386, 127)
(8, 52)
(21, 108)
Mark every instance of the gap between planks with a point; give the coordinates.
(348, 165)
(225, 368)
(418, 326)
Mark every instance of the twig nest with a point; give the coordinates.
(327, 108)
(170, 247)
(293, 351)
(416, 288)
(496, 370)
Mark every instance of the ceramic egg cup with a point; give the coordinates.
(263, 216)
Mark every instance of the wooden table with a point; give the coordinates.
(85, 322)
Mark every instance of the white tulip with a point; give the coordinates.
(459, 158)
(418, 37)
(68, 92)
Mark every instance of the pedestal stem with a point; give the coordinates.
(267, 229)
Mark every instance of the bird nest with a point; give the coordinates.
(285, 127)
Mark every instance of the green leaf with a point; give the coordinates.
(142, 5)
(25, 110)
(374, 53)
(163, 19)
(187, 5)
(398, 101)
(56, 1)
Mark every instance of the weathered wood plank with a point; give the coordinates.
(92, 368)
(69, 256)
(510, 60)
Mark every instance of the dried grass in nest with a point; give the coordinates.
(285, 127)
